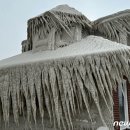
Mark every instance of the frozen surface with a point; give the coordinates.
(66, 9)
(90, 45)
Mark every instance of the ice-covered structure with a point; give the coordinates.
(56, 28)
(66, 78)
(114, 27)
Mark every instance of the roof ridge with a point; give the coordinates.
(66, 9)
(113, 16)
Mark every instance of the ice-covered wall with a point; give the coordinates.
(26, 46)
(56, 39)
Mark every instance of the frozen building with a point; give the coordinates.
(73, 74)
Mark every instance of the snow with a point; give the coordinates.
(91, 45)
(66, 9)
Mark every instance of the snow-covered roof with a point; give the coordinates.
(57, 82)
(124, 13)
(92, 45)
(114, 27)
(63, 9)
(66, 9)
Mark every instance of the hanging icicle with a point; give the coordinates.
(61, 89)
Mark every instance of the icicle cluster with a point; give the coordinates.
(62, 88)
(115, 27)
(55, 19)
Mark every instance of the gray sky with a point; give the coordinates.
(15, 13)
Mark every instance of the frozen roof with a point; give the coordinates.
(90, 68)
(92, 45)
(66, 9)
(115, 16)
(59, 17)
(63, 9)
(115, 27)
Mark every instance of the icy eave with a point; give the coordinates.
(90, 46)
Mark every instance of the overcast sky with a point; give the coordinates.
(15, 13)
